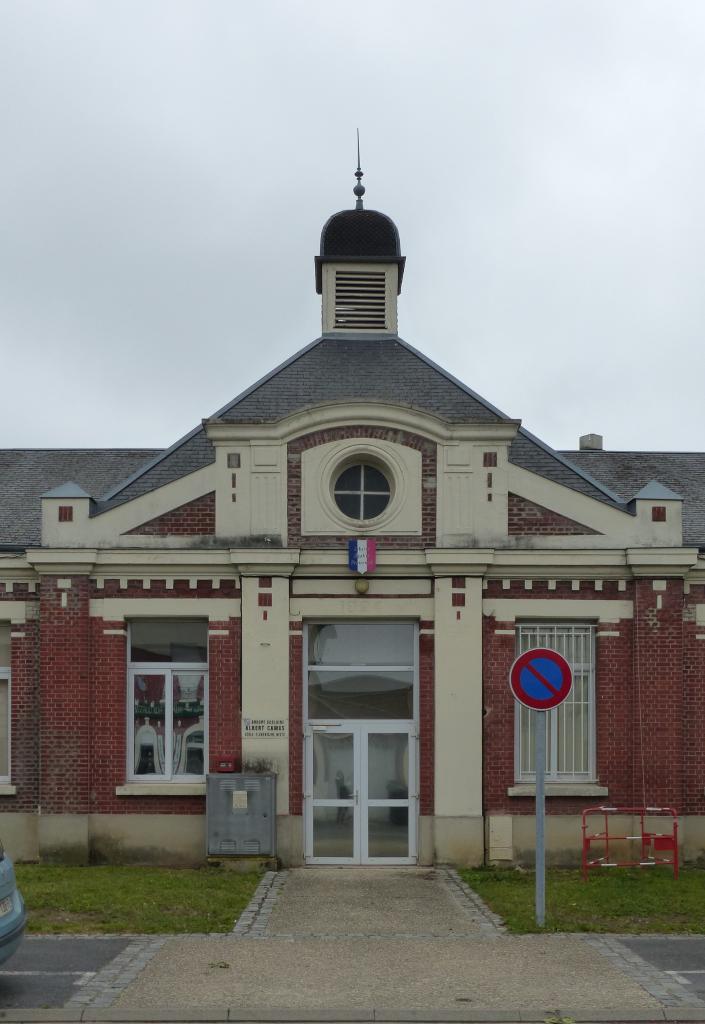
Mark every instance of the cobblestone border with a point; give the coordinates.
(655, 981)
(111, 981)
(254, 920)
(488, 922)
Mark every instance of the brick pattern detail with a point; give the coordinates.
(225, 692)
(24, 718)
(428, 486)
(296, 723)
(159, 588)
(427, 720)
(693, 757)
(527, 519)
(65, 695)
(195, 518)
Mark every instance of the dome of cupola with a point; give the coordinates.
(360, 236)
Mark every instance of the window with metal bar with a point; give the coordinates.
(570, 728)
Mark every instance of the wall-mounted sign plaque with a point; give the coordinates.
(265, 728)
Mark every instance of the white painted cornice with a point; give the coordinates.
(459, 561)
(265, 562)
(345, 414)
(661, 561)
(67, 561)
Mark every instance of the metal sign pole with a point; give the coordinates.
(540, 734)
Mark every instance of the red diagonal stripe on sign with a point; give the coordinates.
(542, 679)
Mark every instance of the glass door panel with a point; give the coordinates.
(361, 793)
(334, 789)
(389, 832)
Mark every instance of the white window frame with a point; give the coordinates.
(552, 774)
(168, 669)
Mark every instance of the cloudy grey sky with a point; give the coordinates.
(167, 166)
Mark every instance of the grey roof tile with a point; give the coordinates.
(353, 368)
(26, 474)
(192, 452)
(531, 454)
(627, 472)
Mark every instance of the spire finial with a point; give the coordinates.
(359, 189)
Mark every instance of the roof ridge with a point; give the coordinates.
(449, 376)
(192, 433)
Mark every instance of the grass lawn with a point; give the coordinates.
(621, 901)
(132, 899)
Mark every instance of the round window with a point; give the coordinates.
(361, 491)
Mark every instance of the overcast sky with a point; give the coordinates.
(167, 166)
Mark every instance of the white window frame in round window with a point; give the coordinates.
(381, 459)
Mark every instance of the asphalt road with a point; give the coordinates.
(45, 972)
(681, 958)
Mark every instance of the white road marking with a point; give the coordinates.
(678, 975)
(83, 975)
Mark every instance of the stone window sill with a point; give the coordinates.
(7, 790)
(161, 789)
(560, 789)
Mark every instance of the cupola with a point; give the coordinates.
(359, 270)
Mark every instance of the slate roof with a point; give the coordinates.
(26, 474)
(350, 368)
(332, 369)
(627, 472)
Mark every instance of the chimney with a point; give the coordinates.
(591, 443)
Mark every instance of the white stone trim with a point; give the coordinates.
(6, 789)
(560, 789)
(507, 609)
(114, 632)
(114, 609)
(15, 611)
(161, 789)
(608, 632)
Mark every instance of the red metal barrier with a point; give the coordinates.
(652, 842)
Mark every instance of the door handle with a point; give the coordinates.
(356, 797)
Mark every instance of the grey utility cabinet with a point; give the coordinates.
(241, 814)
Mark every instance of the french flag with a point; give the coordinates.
(362, 555)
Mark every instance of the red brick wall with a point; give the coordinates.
(427, 697)
(658, 671)
(650, 684)
(693, 705)
(296, 725)
(527, 519)
(428, 486)
(225, 693)
(195, 518)
(65, 690)
(24, 719)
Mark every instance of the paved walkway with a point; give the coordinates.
(401, 941)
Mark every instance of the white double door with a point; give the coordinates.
(360, 793)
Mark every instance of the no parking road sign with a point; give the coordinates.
(540, 679)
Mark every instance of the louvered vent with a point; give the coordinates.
(360, 300)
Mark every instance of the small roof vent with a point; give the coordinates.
(591, 443)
